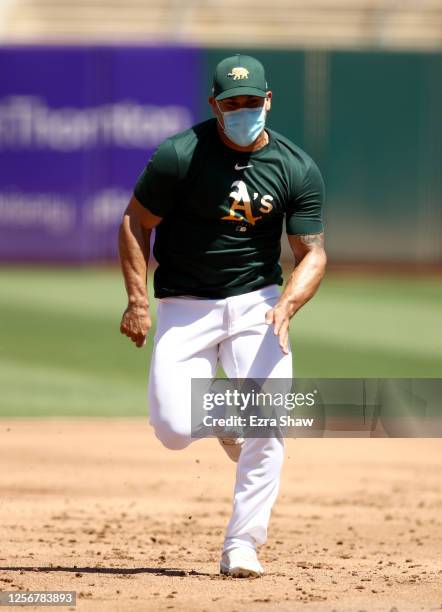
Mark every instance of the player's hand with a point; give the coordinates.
(136, 323)
(279, 317)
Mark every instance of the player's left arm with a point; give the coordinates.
(305, 231)
(302, 284)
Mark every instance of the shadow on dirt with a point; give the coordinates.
(159, 571)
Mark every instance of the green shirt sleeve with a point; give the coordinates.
(156, 187)
(304, 211)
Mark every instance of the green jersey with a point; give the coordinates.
(223, 211)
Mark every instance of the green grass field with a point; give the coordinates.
(61, 352)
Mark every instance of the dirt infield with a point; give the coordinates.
(99, 507)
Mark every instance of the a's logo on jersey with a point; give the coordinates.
(239, 73)
(241, 206)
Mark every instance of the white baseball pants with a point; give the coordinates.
(192, 335)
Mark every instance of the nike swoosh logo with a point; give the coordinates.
(238, 167)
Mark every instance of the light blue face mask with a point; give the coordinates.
(243, 126)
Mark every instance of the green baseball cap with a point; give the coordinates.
(239, 75)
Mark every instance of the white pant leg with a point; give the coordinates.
(252, 351)
(185, 346)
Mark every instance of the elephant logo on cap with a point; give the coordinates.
(239, 73)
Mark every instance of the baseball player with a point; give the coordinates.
(218, 194)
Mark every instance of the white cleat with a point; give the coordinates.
(232, 446)
(241, 562)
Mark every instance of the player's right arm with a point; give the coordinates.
(154, 198)
(134, 248)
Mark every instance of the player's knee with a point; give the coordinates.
(171, 437)
(175, 442)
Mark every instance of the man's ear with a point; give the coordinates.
(215, 110)
(212, 103)
(268, 102)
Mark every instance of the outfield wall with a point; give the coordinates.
(77, 125)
